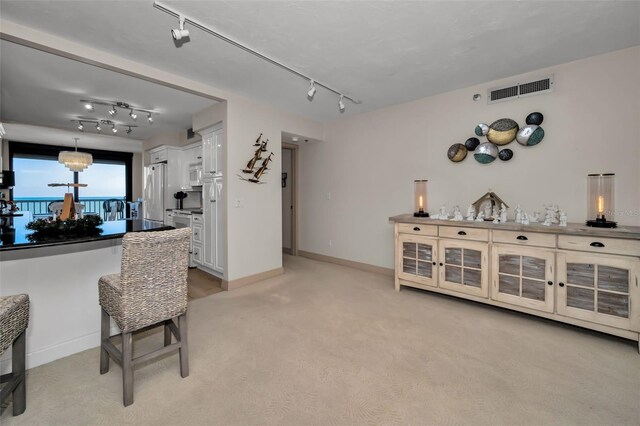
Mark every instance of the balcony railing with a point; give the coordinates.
(40, 207)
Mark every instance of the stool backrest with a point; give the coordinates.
(153, 275)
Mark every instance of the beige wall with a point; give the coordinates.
(369, 161)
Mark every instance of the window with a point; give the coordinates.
(36, 166)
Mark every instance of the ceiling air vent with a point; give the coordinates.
(520, 90)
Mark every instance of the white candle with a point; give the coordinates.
(420, 203)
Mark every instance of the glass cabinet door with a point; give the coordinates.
(416, 259)
(523, 276)
(598, 288)
(463, 267)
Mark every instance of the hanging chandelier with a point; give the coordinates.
(74, 160)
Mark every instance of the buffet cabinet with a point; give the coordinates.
(577, 275)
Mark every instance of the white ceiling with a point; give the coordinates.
(43, 89)
(381, 52)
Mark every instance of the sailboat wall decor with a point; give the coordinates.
(251, 167)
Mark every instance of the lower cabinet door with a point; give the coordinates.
(464, 267)
(415, 259)
(523, 276)
(599, 288)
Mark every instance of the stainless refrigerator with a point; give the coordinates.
(154, 188)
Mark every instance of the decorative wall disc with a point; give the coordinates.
(482, 129)
(530, 135)
(505, 154)
(472, 143)
(503, 131)
(485, 153)
(457, 152)
(535, 118)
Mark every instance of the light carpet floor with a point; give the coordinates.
(329, 345)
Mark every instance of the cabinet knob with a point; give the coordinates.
(415, 228)
(550, 282)
(561, 284)
(596, 244)
(462, 233)
(441, 264)
(521, 238)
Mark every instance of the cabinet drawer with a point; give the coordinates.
(196, 218)
(524, 238)
(600, 245)
(197, 253)
(417, 229)
(463, 233)
(196, 233)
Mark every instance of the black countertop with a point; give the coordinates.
(14, 234)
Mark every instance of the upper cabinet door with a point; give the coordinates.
(212, 152)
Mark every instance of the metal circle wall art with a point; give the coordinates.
(499, 133)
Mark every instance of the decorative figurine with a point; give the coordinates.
(457, 216)
(534, 217)
(548, 218)
(471, 212)
(480, 217)
(518, 214)
(443, 215)
(563, 218)
(525, 218)
(503, 213)
(496, 220)
(495, 213)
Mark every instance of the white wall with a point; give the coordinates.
(369, 161)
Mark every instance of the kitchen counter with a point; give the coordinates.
(14, 234)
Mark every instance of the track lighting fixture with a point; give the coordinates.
(133, 114)
(150, 118)
(112, 111)
(98, 128)
(80, 126)
(113, 128)
(312, 89)
(341, 103)
(128, 130)
(89, 106)
(180, 33)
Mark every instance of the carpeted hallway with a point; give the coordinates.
(325, 344)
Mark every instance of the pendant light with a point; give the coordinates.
(74, 160)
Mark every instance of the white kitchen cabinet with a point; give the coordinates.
(191, 154)
(212, 152)
(464, 267)
(213, 214)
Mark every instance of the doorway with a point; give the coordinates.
(289, 198)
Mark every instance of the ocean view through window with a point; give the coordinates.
(108, 182)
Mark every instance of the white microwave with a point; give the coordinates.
(195, 174)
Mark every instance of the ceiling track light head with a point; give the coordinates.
(128, 130)
(341, 103)
(133, 115)
(80, 126)
(312, 89)
(113, 128)
(150, 118)
(113, 112)
(180, 33)
(98, 128)
(89, 106)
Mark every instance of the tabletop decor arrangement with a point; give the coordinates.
(56, 229)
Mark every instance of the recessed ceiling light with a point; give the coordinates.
(294, 139)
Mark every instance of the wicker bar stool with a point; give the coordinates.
(14, 318)
(151, 289)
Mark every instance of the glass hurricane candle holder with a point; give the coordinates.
(600, 200)
(420, 198)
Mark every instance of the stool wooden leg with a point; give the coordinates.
(167, 333)
(183, 351)
(18, 370)
(104, 336)
(127, 368)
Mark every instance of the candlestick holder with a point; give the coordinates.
(420, 198)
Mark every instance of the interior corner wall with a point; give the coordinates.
(363, 171)
(255, 228)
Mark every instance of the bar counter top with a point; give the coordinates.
(14, 234)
